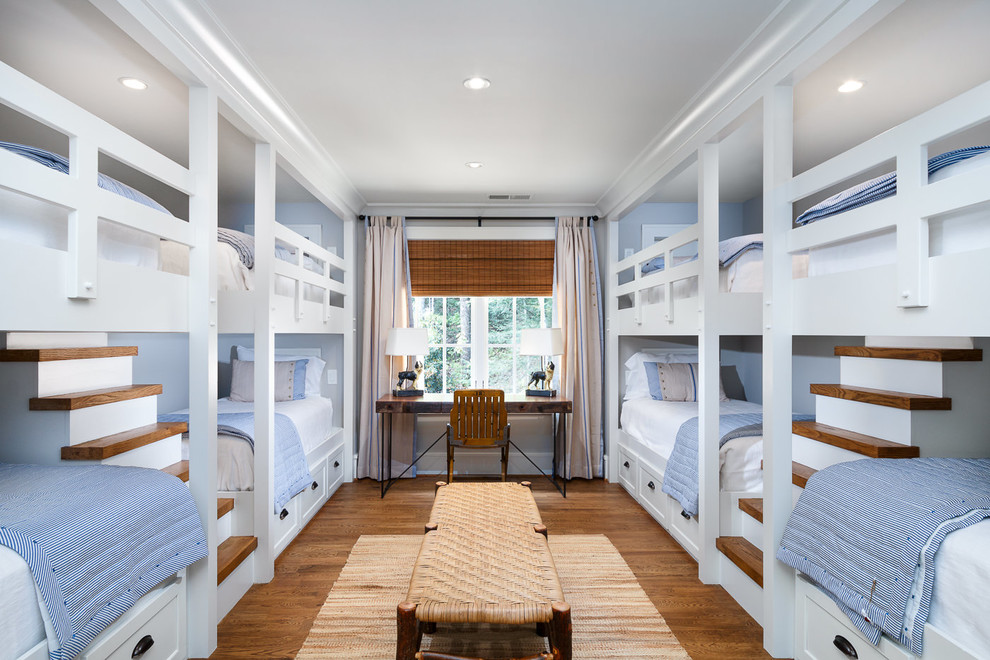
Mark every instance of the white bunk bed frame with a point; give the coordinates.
(76, 291)
(919, 296)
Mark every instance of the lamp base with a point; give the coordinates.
(407, 392)
(541, 392)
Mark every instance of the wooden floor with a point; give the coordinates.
(272, 620)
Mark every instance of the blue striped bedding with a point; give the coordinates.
(880, 187)
(61, 164)
(680, 477)
(728, 251)
(291, 470)
(96, 538)
(867, 532)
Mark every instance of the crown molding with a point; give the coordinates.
(186, 37)
(492, 210)
(798, 33)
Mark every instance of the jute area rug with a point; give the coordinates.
(612, 616)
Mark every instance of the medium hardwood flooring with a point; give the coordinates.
(272, 620)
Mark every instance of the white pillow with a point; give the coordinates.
(637, 386)
(242, 381)
(314, 369)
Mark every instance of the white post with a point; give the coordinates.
(912, 231)
(264, 361)
(202, 588)
(82, 267)
(708, 361)
(778, 579)
(349, 374)
(613, 367)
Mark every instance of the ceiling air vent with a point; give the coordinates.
(508, 197)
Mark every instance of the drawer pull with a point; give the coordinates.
(843, 645)
(285, 512)
(651, 486)
(336, 464)
(685, 515)
(315, 485)
(143, 646)
(626, 464)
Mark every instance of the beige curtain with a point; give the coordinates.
(386, 306)
(579, 315)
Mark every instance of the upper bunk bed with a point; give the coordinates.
(899, 254)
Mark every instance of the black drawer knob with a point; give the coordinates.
(843, 645)
(315, 485)
(685, 515)
(651, 486)
(336, 464)
(285, 512)
(626, 464)
(143, 646)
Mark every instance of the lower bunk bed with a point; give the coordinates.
(908, 579)
(92, 560)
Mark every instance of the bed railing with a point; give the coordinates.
(915, 201)
(671, 273)
(78, 192)
(302, 247)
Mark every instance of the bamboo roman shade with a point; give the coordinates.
(481, 268)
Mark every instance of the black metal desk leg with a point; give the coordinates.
(563, 433)
(381, 452)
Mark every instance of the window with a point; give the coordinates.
(474, 341)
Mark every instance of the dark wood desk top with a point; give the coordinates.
(442, 403)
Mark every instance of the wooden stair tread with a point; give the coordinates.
(889, 398)
(857, 442)
(77, 400)
(224, 506)
(118, 443)
(922, 354)
(180, 470)
(232, 552)
(743, 554)
(752, 506)
(800, 474)
(53, 354)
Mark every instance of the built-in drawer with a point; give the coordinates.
(153, 631)
(286, 525)
(650, 495)
(335, 470)
(822, 629)
(311, 499)
(627, 470)
(685, 529)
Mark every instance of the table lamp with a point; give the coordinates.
(407, 341)
(545, 342)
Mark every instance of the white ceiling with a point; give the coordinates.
(579, 87)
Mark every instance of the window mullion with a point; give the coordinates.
(479, 341)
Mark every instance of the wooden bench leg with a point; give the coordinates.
(560, 631)
(407, 631)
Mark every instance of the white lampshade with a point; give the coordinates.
(541, 341)
(406, 341)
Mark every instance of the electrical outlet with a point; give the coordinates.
(331, 376)
(628, 253)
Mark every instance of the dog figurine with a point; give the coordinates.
(542, 378)
(412, 376)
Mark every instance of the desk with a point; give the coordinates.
(515, 404)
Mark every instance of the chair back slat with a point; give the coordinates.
(478, 415)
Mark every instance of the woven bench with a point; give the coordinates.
(484, 559)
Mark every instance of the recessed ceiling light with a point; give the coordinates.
(133, 83)
(851, 86)
(473, 164)
(477, 83)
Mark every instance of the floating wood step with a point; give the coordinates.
(118, 443)
(232, 552)
(77, 400)
(922, 354)
(743, 554)
(800, 474)
(224, 506)
(857, 442)
(180, 470)
(902, 400)
(53, 354)
(752, 506)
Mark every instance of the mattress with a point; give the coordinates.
(21, 608)
(655, 423)
(962, 581)
(313, 417)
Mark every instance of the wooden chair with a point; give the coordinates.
(478, 420)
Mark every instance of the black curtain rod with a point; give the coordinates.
(479, 219)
